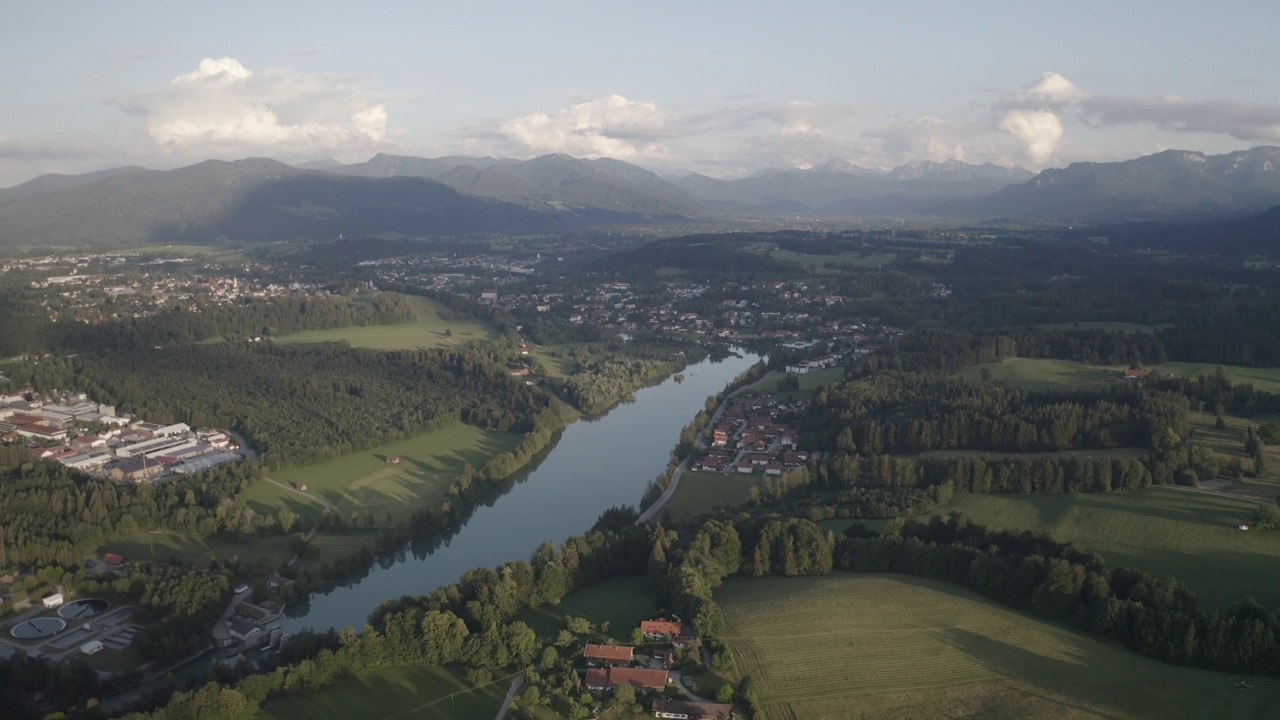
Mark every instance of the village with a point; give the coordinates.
(88, 436)
(749, 439)
(99, 288)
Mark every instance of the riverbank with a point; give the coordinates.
(595, 464)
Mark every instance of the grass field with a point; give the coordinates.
(701, 492)
(1042, 374)
(844, 259)
(365, 482)
(1036, 374)
(1190, 535)
(401, 692)
(428, 331)
(1229, 443)
(881, 646)
(809, 382)
(621, 602)
(160, 546)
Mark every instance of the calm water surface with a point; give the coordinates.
(596, 464)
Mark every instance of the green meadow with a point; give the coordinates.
(1190, 535)
(891, 646)
(1045, 374)
(429, 330)
(367, 483)
(399, 692)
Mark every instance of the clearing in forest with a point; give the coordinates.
(1190, 535)
(874, 646)
(429, 330)
(365, 482)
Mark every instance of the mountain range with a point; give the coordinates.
(260, 199)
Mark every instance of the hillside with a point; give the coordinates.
(254, 200)
(839, 188)
(1171, 185)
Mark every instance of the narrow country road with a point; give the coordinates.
(1214, 492)
(511, 694)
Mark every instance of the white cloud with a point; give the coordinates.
(929, 138)
(1039, 131)
(792, 134)
(610, 127)
(224, 109)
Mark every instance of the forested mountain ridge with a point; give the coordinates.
(255, 200)
(1170, 185)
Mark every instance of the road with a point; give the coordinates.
(511, 694)
(656, 507)
(1214, 492)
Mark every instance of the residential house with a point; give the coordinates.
(603, 679)
(660, 628)
(608, 654)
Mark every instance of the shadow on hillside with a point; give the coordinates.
(1037, 671)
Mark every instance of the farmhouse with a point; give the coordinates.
(607, 654)
(659, 628)
(115, 560)
(603, 679)
(685, 710)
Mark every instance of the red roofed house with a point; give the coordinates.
(602, 679)
(1136, 374)
(607, 654)
(660, 627)
(114, 559)
(596, 679)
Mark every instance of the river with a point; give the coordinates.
(596, 464)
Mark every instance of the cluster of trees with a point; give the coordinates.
(177, 606)
(908, 413)
(50, 513)
(27, 684)
(609, 372)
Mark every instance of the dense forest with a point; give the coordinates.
(305, 403)
(24, 327)
(51, 513)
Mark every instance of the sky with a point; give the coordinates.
(719, 87)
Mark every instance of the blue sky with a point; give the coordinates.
(718, 87)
